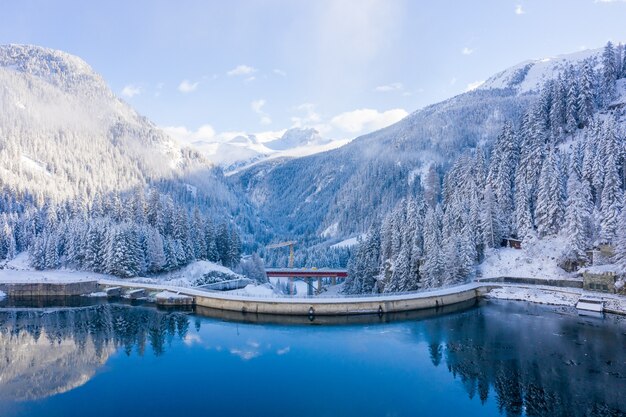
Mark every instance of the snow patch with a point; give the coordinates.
(2, 295)
(193, 275)
(166, 295)
(20, 262)
(534, 295)
(263, 290)
(99, 294)
(331, 230)
(348, 242)
(33, 165)
(537, 259)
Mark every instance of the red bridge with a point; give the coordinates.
(308, 274)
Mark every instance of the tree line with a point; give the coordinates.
(142, 232)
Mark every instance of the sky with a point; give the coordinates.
(213, 69)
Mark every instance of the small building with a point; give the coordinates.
(600, 278)
(511, 242)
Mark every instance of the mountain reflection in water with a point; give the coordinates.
(501, 358)
(49, 351)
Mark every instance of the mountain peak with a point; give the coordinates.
(532, 74)
(59, 68)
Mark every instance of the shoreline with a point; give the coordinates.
(326, 306)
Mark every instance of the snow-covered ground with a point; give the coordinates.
(255, 290)
(165, 295)
(557, 296)
(347, 242)
(194, 274)
(2, 295)
(538, 259)
(535, 295)
(18, 270)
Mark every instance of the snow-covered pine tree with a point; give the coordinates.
(571, 108)
(549, 207)
(611, 202)
(501, 177)
(432, 268)
(578, 210)
(490, 220)
(401, 276)
(609, 74)
(586, 102)
(620, 241)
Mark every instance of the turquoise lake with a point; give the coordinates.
(494, 358)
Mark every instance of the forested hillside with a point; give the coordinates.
(88, 183)
(558, 170)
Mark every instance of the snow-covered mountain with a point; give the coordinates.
(295, 138)
(337, 193)
(244, 150)
(63, 132)
(529, 76)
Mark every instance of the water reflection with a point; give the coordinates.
(49, 351)
(514, 359)
(536, 363)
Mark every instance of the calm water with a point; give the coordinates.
(498, 358)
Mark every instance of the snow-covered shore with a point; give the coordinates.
(556, 296)
(18, 271)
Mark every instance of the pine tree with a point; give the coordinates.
(155, 257)
(620, 241)
(432, 268)
(611, 202)
(38, 253)
(572, 111)
(609, 74)
(549, 209)
(501, 177)
(401, 276)
(585, 103)
(577, 217)
(490, 220)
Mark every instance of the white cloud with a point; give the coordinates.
(467, 51)
(250, 79)
(245, 354)
(131, 91)
(241, 70)
(187, 86)
(610, 1)
(474, 85)
(309, 117)
(159, 87)
(279, 72)
(257, 107)
(204, 133)
(453, 81)
(366, 120)
(283, 350)
(519, 10)
(389, 87)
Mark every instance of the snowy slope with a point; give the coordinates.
(63, 132)
(528, 76)
(342, 190)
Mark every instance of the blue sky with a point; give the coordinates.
(345, 67)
